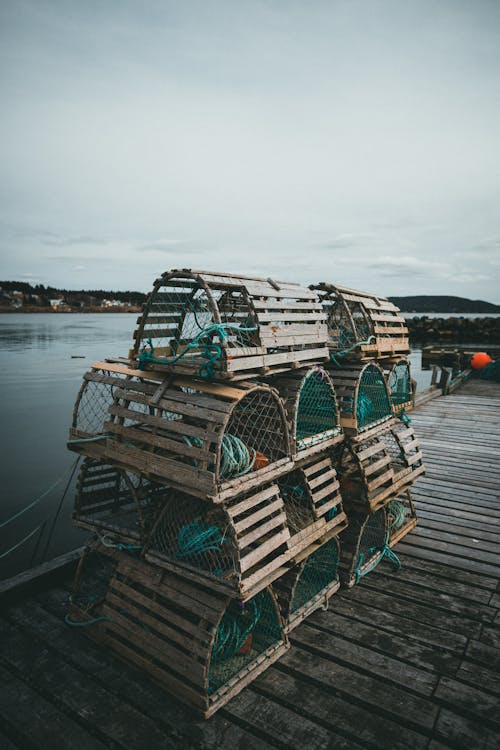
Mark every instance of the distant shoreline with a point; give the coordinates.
(106, 310)
(86, 311)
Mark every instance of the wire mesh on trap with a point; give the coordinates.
(363, 396)
(317, 413)
(401, 517)
(376, 466)
(311, 407)
(96, 395)
(208, 324)
(362, 545)
(244, 634)
(361, 325)
(183, 306)
(90, 585)
(372, 402)
(317, 573)
(399, 381)
(116, 503)
(239, 544)
(188, 433)
(298, 504)
(192, 533)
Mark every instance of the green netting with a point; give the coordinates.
(245, 632)
(399, 383)
(257, 424)
(316, 417)
(319, 571)
(347, 323)
(179, 320)
(116, 501)
(373, 402)
(400, 513)
(372, 542)
(298, 506)
(193, 533)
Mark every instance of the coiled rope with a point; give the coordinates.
(210, 351)
(236, 458)
(397, 514)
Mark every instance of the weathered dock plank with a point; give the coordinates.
(405, 660)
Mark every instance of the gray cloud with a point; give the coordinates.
(310, 140)
(71, 241)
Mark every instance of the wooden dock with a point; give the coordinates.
(403, 660)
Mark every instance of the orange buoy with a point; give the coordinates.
(480, 360)
(260, 461)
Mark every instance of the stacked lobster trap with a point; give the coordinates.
(380, 458)
(250, 455)
(210, 481)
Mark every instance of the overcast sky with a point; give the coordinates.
(354, 141)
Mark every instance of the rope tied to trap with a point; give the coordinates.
(209, 350)
(385, 552)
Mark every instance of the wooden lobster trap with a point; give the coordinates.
(244, 544)
(198, 643)
(312, 410)
(375, 467)
(309, 585)
(363, 396)
(237, 547)
(364, 544)
(217, 325)
(401, 517)
(211, 440)
(313, 505)
(116, 503)
(361, 325)
(401, 386)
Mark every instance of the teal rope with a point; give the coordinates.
(345, 352)
(232, 634)
(403, 416)
(197, 539)
(84, 623)
(385, 551)
(210, 351)
(90, 439)
(364, 409)
(126, 547)
(236, 459)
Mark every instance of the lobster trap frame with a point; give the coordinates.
(363, 545)
(198, 643)
(309, 585)
(243, 545)
(376, 466)
(363, 396)
(312, 411)
(210, 440)
(401, 386)
(361, 325)
(114, 502)
(222, 326)
(401, 517)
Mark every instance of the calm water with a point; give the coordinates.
(39, 381)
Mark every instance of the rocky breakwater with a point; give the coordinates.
(464, 330)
